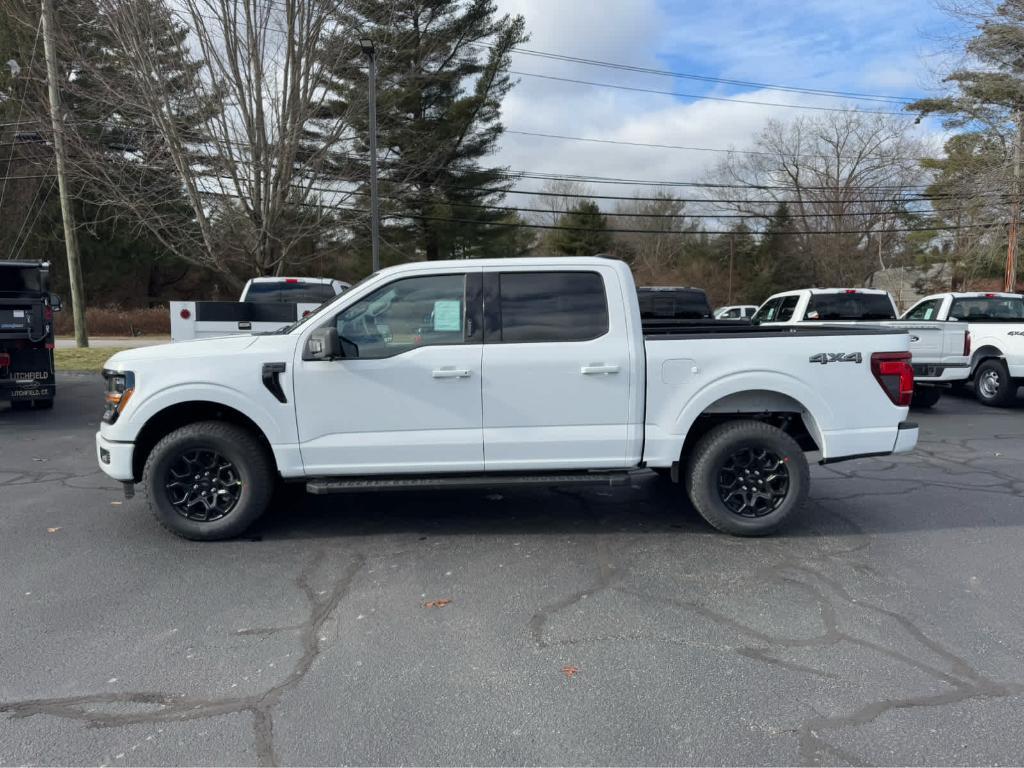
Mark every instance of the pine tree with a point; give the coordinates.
(442, 72)
(585, 234)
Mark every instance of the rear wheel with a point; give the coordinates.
(925, 397)
(209, 480)
(747, 477)
(992, 383)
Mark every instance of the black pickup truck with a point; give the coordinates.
(26, 334)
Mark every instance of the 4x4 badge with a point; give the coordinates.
(836, 357)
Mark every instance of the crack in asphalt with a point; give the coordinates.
(179, 708)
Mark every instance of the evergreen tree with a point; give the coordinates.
(585, 234)
(442, 72)
(777, 262)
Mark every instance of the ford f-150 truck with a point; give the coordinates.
(266, 304)
(499, 372)
(939, 351)
(996, 322)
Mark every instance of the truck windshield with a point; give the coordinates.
(673, 304)
(268, 292)
(988, 309)
(850, 306)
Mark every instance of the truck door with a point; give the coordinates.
(556, 361)
(405, 398)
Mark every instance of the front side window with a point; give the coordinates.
(732, 313)
(552, 306)
(926, 310)
(767, 313)
(403, 315)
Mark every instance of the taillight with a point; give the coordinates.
(185, 314)
(967, 343)
(48, 314)
(5, 360)
(895, 375)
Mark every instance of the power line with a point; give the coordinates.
(701, 97)
(710, 79)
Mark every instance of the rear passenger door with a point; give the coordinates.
(556, 385)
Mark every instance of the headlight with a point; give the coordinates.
(119, 388)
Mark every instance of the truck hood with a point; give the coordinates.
(181, 350)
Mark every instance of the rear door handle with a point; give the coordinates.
(451, 373)
(596, 368)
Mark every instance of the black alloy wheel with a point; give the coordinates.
(753, 482)
(202, 485)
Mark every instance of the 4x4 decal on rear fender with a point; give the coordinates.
(836, 357)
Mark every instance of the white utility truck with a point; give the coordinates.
(939, 351)
(499, 372)
(266, 304)
(996, 322)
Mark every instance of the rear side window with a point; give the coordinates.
(673, 304)
(306, 293)
(552, 306)
(988, 309)
(850, 306)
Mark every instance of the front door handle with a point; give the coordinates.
(451, 373)
(596, 368)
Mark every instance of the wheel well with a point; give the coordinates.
(772, 408)
(179, 415)
(982, 354)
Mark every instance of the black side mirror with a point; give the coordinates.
(323, 344)
(55, 303)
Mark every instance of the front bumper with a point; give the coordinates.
(115, 458)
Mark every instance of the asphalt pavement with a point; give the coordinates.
(598, 626)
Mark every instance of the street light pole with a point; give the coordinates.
(368, 49)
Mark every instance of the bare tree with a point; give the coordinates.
(849, 178)
(659, 250)
(226, 115)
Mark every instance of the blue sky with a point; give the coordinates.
(876, 46)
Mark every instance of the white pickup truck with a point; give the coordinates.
(939, 351)
(499, 372)
(266, 304)
(996, 322)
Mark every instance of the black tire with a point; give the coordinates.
(992, 383)
(713, 462)
(925, 397)
(247, 483)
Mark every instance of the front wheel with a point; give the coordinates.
(209, 480)
(747, 477)
(992, 383)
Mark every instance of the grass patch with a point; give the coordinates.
(88, 359)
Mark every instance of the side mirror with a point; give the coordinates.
(323, 344)
(55, 303)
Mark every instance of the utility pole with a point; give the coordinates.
(1010, 280)
(57, 121)
(732, 246)
(371, 54)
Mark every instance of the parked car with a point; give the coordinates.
(736, 312)
(266, 304)
(940, 350)
(533, 370)
(26, 334)
(996, 323)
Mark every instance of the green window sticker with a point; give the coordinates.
(448, 315)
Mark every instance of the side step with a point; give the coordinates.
(325, 485)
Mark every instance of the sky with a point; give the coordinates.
(887, 47)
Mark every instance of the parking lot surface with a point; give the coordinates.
(597, 626)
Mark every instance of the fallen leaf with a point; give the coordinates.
(570, 671)
(437, 603)
(53, 530)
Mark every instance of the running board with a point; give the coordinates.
(325, 485)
